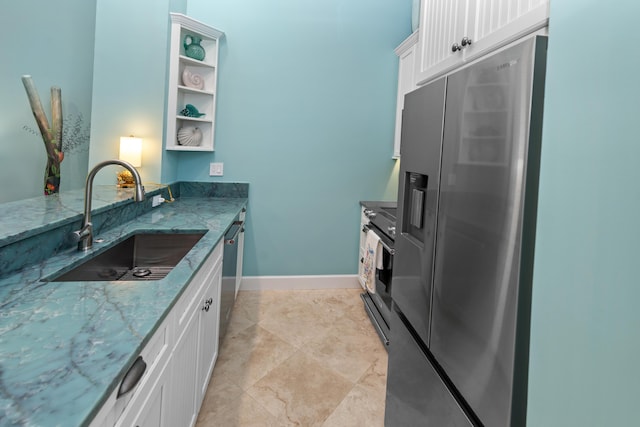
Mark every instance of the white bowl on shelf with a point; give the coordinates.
(190, 136)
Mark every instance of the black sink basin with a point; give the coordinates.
(143, 256)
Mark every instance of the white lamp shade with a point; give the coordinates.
(131, 150)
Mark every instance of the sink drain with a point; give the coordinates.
(155, 272)
(141, 272)
(108, 274)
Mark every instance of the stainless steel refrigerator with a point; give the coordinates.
(462, 278)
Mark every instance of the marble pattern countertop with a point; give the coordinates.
(24, 218)
(64, 347)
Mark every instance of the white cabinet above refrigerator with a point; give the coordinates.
(453, 32)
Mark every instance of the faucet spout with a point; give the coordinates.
(85, 234)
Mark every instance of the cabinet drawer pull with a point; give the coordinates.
(132, 376)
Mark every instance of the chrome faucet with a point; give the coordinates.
(84, 236)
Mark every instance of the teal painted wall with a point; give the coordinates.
(585, 340)
(55, 52)
(305, 114)
(129, 84)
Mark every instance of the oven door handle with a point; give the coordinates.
(366, 228)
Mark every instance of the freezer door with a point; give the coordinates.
(485, 162)
(416, 396)
(422, 122)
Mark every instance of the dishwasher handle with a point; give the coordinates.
(233, 231)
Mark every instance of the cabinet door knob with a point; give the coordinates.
(209, 301)
(206, 307)
(466, 41)
(456, 47)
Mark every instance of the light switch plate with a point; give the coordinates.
(216, 169)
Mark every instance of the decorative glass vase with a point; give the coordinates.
(192, 47)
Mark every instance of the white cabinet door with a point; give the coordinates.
(153, 412)
(209, 332)
(406, 83)
(453, 32)
(495, 23)
(119, 411)
(182, 405)
(443, 24)
(196, 348)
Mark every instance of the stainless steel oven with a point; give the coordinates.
(378, 303)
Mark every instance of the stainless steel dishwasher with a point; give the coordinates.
(229, 268)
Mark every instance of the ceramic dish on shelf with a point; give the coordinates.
(189, 136)
(192, 80)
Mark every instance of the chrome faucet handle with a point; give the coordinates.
(78, 235)
(84, 237)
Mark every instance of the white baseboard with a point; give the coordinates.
(271, 283)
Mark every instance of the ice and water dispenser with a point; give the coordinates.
(414, 209)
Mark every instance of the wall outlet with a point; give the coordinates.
(216, 169)
(156, 200)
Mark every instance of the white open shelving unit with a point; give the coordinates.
(180, 95)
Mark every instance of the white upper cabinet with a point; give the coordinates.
(193, 71)
(443, 25)
(494, 23)
(406, 53)
(453, 32)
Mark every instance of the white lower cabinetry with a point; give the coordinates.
(124, 410)
(196, 349)
(209, 327)
(152, 410)
(180, 358)
(182, 407)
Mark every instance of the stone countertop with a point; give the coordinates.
(64, 346)
(28, 217)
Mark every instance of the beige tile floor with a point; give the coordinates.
(298, 358)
